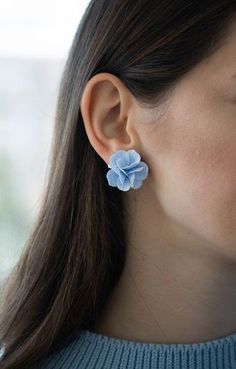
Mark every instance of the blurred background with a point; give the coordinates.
(35, 37)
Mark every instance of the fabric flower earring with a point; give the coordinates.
(126, 170)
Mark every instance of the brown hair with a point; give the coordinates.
(75, 252)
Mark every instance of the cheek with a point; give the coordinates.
(196, 184)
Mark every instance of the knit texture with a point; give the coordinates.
(91, 350)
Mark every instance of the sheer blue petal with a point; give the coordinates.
(112, 178)
(123, 160)
(133, 160)
(134, 156)
(141, 170)
(144, 172)
(115, 156)
(131, 179)
(124, 186)
(122, 176)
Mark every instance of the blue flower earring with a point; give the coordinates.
(126, 170)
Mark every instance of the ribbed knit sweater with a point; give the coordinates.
(91, 350)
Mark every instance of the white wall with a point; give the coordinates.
(34, 40)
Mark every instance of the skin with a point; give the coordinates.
(179, 280)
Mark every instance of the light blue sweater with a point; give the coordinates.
(90, 350)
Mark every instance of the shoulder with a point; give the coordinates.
(68, 355)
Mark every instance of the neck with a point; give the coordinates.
(175, 287)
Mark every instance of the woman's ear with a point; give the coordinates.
(106, 107)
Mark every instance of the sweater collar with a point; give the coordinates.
(110, 352)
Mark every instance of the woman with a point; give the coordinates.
(131, 262)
